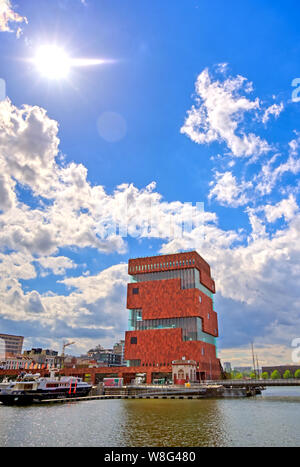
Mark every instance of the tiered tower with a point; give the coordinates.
(171, 315)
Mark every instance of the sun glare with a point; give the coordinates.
(52, 62)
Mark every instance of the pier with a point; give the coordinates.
(241, 383)
(160, 392)
(211, 389)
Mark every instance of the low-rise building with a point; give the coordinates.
(10, 345)
(44, 356)
(184, 371)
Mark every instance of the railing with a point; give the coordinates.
(160, 390)
(255, 382)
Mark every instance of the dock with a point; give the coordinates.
(154, 392)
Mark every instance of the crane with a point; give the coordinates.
(66, 344)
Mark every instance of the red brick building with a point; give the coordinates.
(170, 302)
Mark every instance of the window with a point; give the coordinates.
(135, 291)
(200, 299)
(133, 340)
(134, 362)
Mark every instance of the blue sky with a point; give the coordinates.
(194, 105)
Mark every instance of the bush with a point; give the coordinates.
(297, 374)
(239, 376)
(265, 375)
(275, 375)
(287, 374)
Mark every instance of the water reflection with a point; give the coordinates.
(268, 420)
(173, 423)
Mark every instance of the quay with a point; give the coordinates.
(212, 389)
(155, 392)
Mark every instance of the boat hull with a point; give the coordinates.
(28, 398)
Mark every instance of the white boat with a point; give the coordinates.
(29, 388)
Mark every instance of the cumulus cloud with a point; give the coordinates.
(218, 112)
(65, 211)
(285, 208)
(273, 171)
(256, 269)
(274, 109)
(57, 264)
(8, 17)
(227, 191)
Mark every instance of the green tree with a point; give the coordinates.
(252, 375)
(265, 375)
(297, 374)
(275, 375)
(287, 374)
(239, 376)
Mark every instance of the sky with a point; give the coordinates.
(165, 127)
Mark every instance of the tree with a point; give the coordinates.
(287, 374)
(239, 376)
(265, 375)
(252, 375)
(297, 374)
(275, 375)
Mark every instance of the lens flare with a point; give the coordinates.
(52, 62)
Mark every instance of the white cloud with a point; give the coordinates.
(274, 109)
(57, 264)
(227, 191)
(9, 16)
(271, 174)
(285, 208)
(218, 113)
(257, 273)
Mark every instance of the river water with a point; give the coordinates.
(271, 419)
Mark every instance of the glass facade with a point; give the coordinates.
(191, 326)
(187, 277)
(133, 362)
(134, 317)
(190, 278)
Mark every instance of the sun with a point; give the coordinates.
(52, 62)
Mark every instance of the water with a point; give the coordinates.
(268, 420)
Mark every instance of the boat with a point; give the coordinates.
(30, 388)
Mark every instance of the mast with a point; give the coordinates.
(253, 359)
(257, 365)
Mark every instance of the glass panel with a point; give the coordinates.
(191, 327)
